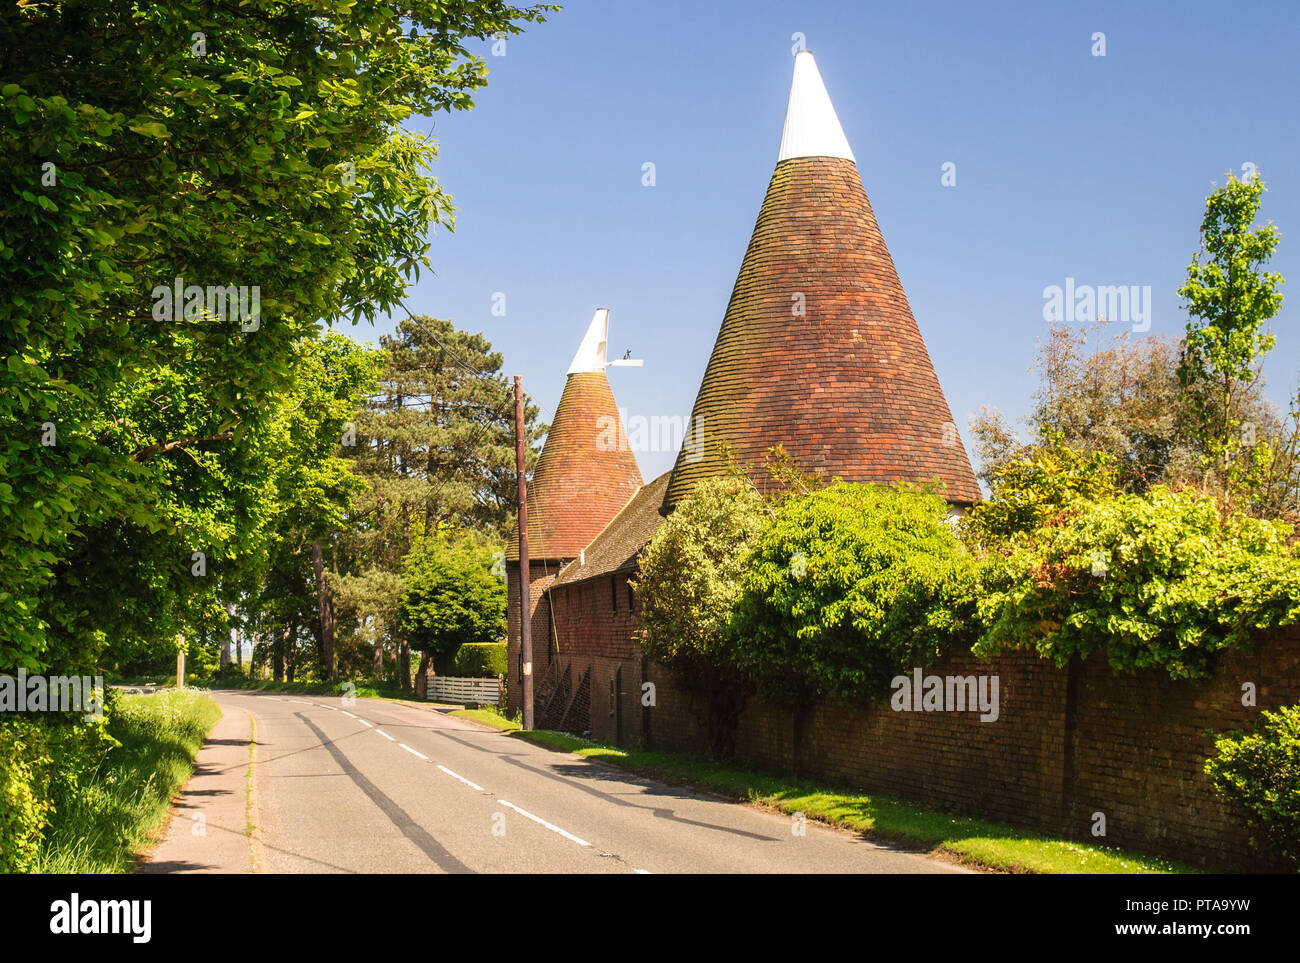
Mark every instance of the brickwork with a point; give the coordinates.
(819, 351)
(540, 575)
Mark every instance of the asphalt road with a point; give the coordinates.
(379, 787)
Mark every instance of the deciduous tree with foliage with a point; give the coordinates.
(451, 597)
(688, 580)
(254, 148)
(1230, 298)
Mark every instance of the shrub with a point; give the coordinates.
(1260, 772)
(688, 580)
(480, 660)
(1158, 580)
(25, 764)
(850, 586)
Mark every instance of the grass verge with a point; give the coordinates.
(490, 716)
(103, 824)
(976, 842)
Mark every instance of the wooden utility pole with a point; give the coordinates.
(525, 600)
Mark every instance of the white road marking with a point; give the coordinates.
(385, 735)
(472, 785)
(413, 752)
(348, 714)
(302, 702)
(551, 826)
(642, 872)
(368, 725)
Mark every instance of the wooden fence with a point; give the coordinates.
(442, 688)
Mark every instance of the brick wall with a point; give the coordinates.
(1131, 747)
(540, 575)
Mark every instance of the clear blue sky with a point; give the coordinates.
(1068, 165)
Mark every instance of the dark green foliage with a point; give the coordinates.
(451, 598)
(480, 660)
(1260, 772)
(274, 157)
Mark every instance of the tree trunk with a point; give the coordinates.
(291, 656)
(225, 649)
(326, 613)
(421, 677)
(404, 669)
(379, 658)
(278, 646)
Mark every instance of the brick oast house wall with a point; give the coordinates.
(586, 473)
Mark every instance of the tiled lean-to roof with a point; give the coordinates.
(617, 546)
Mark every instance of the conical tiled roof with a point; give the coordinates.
(587, 471)
(818, 350)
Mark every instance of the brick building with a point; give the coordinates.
(585, 474)
(818, 352)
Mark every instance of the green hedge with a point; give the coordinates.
(480, 660)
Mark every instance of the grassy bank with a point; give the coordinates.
(101, 825)
(977, 842)
(490, 716)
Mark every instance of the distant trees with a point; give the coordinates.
(434, 446)
(1177, 412)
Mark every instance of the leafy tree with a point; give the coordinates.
(256, 145)
(451, 597)
(1119, 395)
(1260, 772)
(1230, 298)
(848, 587)
(689, 578)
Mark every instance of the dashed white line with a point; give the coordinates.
(368, 725)
(413, 752)
(540, 821)
(642, 872)
(348, 714)
(302, 702)
(385, 735)
(472, 785)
